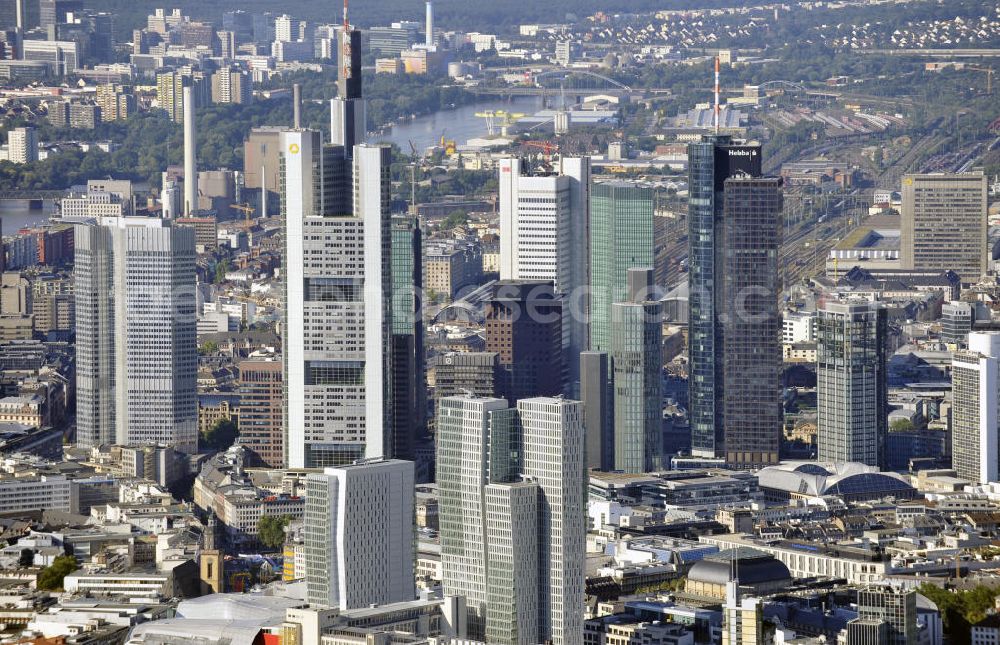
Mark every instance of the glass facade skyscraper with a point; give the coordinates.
(408, 389)
(751, 395)
(337, 290)
(851, 382)
(136, 334)
(512, 510)
(621, 238)
(710, 162)
(636, 364)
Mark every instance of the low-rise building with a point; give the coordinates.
(151, 586)
(449, 267)
(806, 559)
(31, 493)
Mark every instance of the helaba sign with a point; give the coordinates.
(743, 161)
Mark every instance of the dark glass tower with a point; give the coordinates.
(710, 162)
(524, 327)
(752, 324)
(852, 409)
(409, 404)
(347, 110)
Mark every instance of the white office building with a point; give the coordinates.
(511, 487)
(359, 542)
(798, 327)
(974, 418)
(123, 586)
(93, 204)
(287, 29)
(22, 145)
(543, 236)
(61, 56)
(337, 288)
(136, 350)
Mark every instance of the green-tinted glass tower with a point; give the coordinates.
(621, 238)
(409, 402)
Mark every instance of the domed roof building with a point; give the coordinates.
(757, 573)
(849, 481)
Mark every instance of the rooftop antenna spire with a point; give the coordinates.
(347, 45)
(717, 108)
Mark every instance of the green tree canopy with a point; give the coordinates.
(51, 578)
(960, 609)
(221, 435)
(901, 425)
(271, 531)
(26, 559)
(457, 217)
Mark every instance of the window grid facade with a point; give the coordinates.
(852, 409)
(621, 238)
(752, 325)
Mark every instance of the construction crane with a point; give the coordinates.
(499, 119)
(448, 144)
(989, 76)
(248, 213)
(547, 147)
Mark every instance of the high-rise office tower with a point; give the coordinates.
(23, 145)
(598, 399)
(975, 417)
(944, 224)
(636, 367)
(409, 390)
(240, 23)
(621, 237)
(543, 236)
(337, 301)
(511, 485)
(358, 529)
(888, 615)
(287, 29)
(347, 109)
(852, 408)
(19, 14)
(137, 355)
(261, 417)
(734, 329)
(710, 162)
(752, 327)
(477, 373)
(465, 428)
(53, 12)
(956, 321)
(263, 28)
(524, 324)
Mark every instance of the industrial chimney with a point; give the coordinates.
(430, 24)
(190, 156)
(297, 106)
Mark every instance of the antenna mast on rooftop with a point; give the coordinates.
(717, 108)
